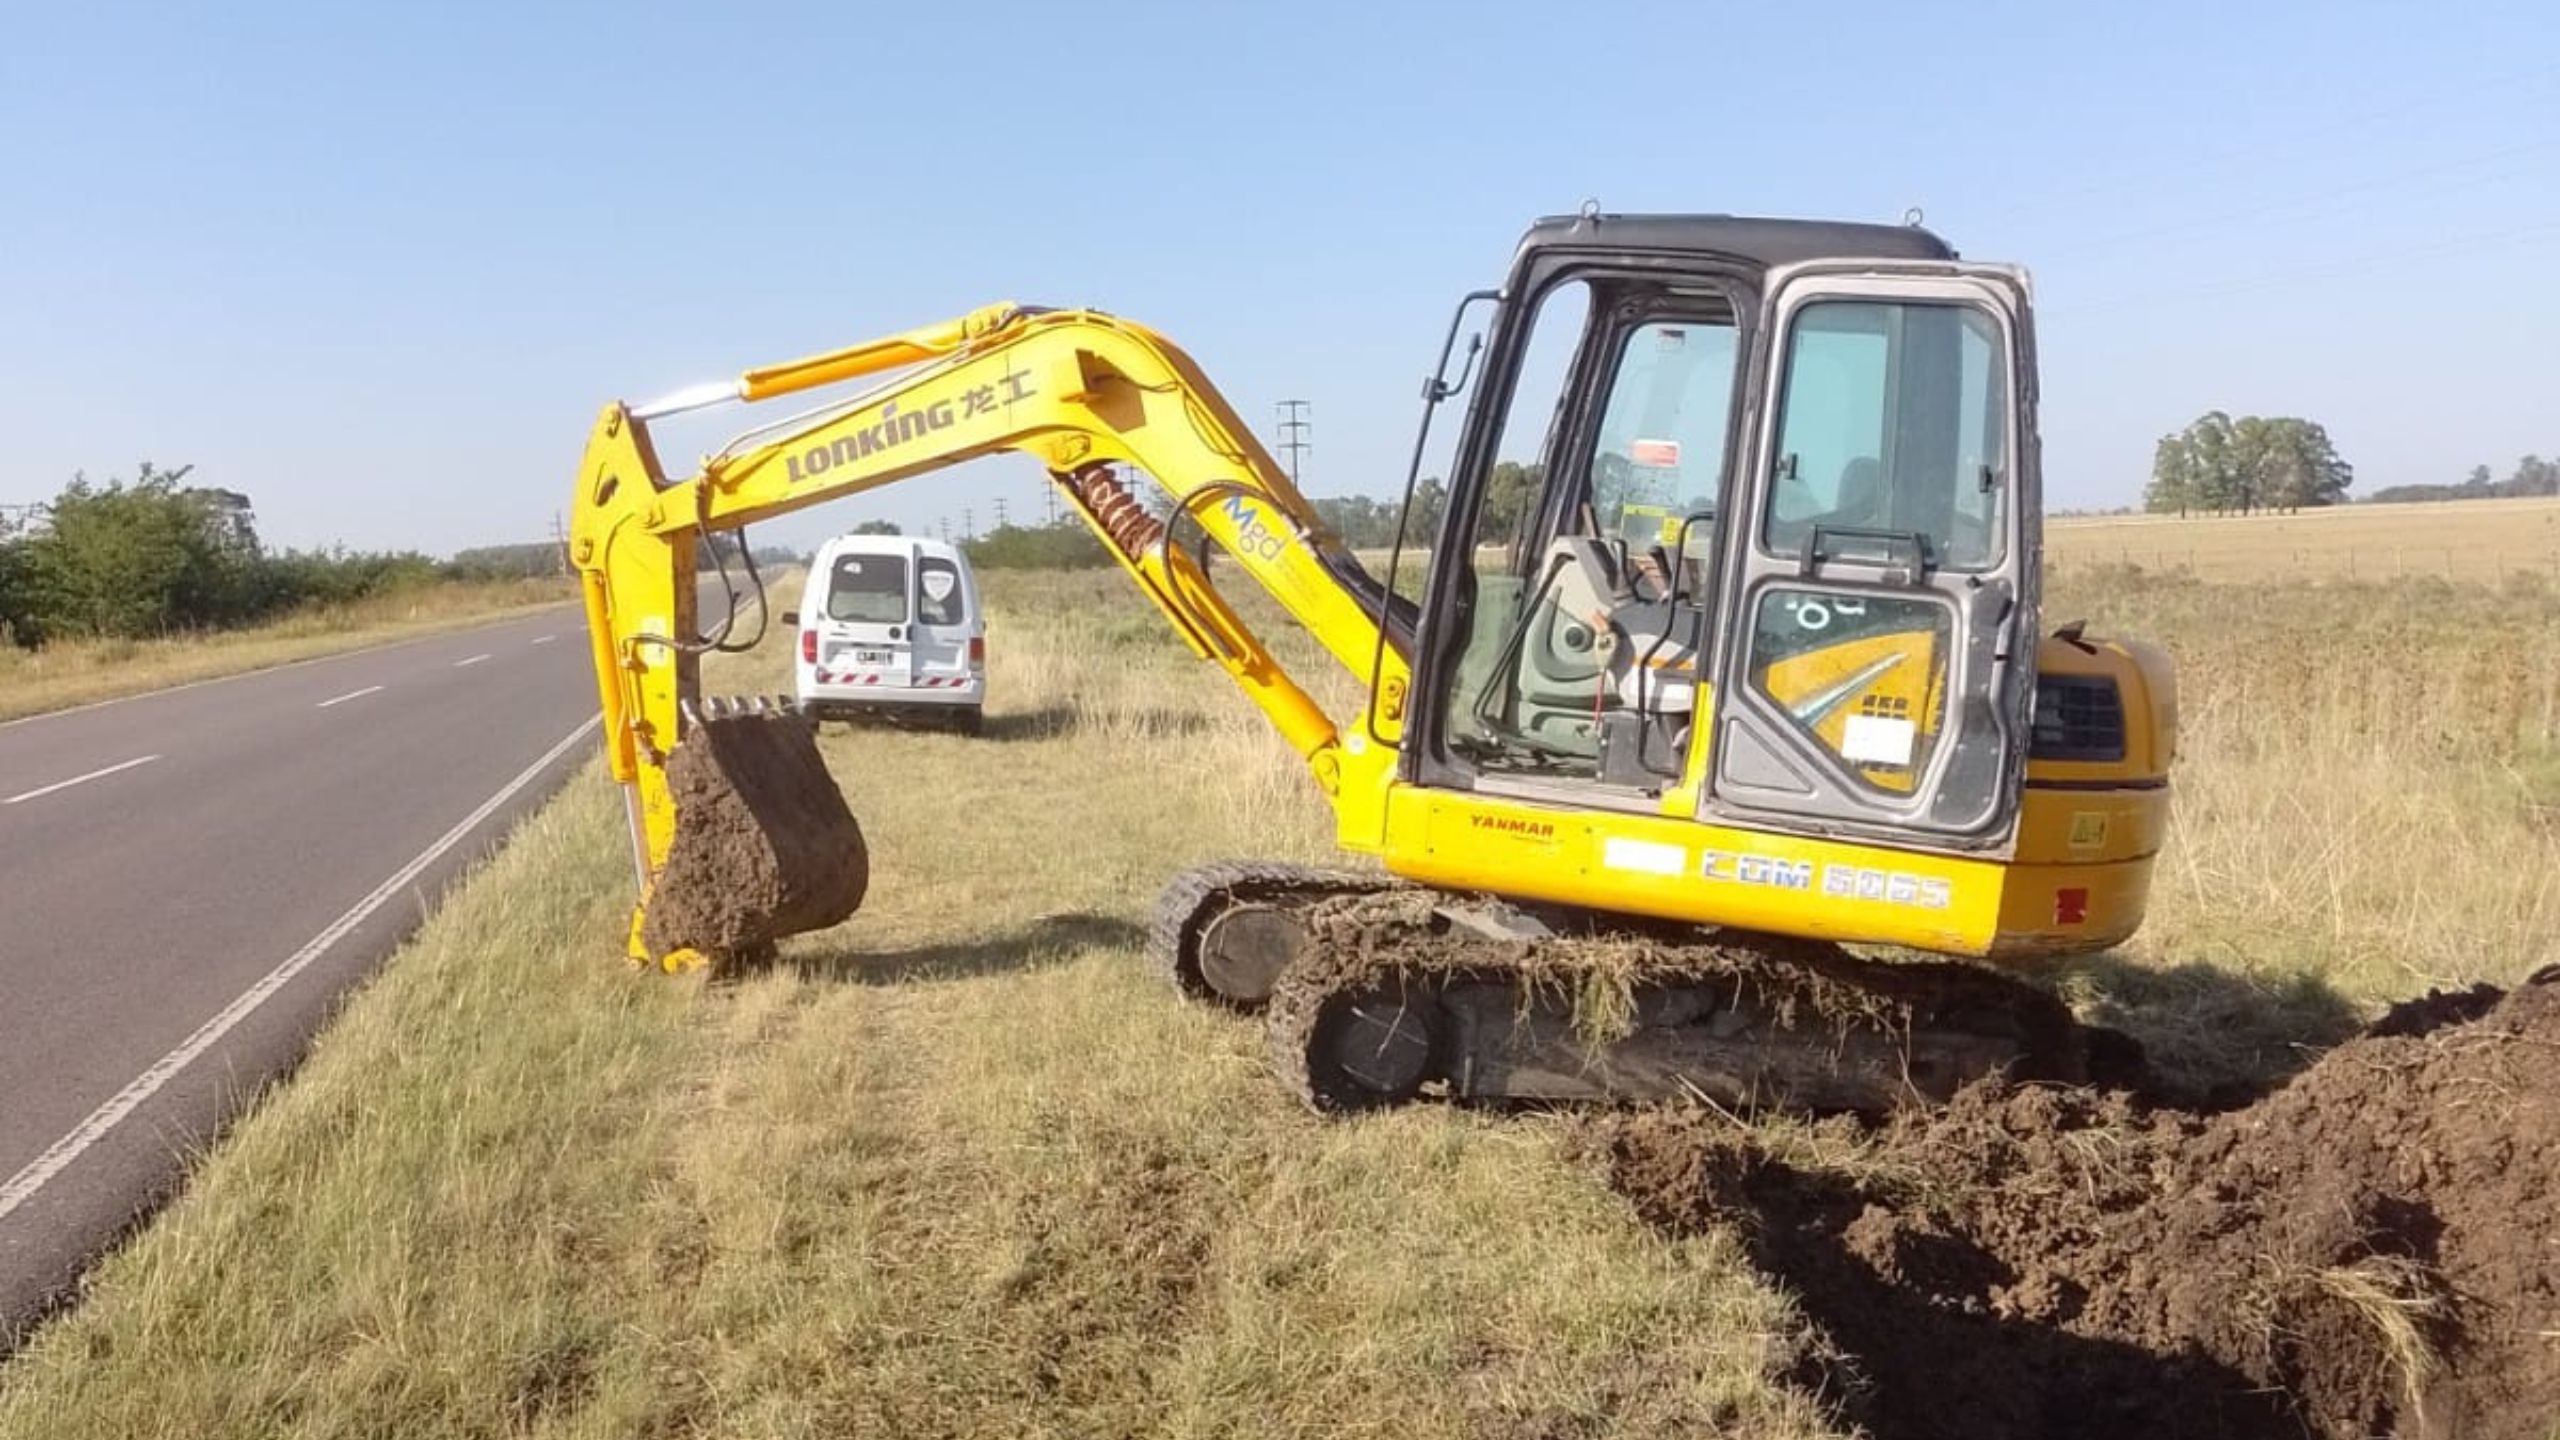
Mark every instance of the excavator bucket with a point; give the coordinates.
(764, 845)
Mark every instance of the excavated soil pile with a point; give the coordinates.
(2373, 1249)
(764, 844)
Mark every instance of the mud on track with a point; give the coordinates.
(2373, 1249)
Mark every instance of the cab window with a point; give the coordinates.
(868, 590)
(1894, 430)
(1586, 616)
(1659, 454)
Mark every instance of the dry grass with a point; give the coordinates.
(2488, 542)
(2367, 804)
(2397, 1297)
(82, 672)
(962, 1168)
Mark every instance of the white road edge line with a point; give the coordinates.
(474, 660)
(350, 695)
(78, 780)
(58, 1157)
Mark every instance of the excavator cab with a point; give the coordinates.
(1717, 471)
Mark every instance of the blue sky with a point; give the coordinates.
(379, 268)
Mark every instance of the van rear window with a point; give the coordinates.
(868, 589)
(940, 600)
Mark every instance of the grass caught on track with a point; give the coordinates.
(961, 1168)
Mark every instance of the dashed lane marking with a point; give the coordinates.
(43, 790)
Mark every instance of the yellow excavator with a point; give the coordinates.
(1709, 687)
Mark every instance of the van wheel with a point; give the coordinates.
(971, 721)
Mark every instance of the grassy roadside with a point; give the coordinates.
(82, 672)
(961, 1168)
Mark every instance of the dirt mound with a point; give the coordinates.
(2372, 1250)
(764, 845)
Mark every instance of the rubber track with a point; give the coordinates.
(1187, 898)
(1365, 953)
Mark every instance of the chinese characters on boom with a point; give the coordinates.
(896, 427)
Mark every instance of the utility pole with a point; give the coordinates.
(968, 523)
(1049, 501)
(999, 512)
(559, 544)
(945, 523)
(1293, 434)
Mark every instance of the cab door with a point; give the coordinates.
(1875, 667)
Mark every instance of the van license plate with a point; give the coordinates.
(870, 657)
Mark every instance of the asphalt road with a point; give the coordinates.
(189, 879)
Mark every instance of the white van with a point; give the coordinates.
(890, 624)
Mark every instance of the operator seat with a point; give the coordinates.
(1863, 500)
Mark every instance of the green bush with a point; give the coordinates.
(154, 556)
(1059, 545)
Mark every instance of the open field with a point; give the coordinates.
(2484, 541)
(82, 672)
(961, 1167)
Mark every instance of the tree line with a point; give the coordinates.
(1363, 522)
(2221, 465)
(156, 555)
(2532, 476)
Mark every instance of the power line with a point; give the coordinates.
(2183, 166)
(1293, 434)
(2331, 269)
(2402, 183)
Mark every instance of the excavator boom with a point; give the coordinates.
(1094, 399)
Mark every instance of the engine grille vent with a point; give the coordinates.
(2078, 718)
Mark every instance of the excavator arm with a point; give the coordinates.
(1090, 396)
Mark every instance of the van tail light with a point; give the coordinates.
(809, 646)
(977, 649)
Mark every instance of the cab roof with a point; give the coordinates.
(1764, 241)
